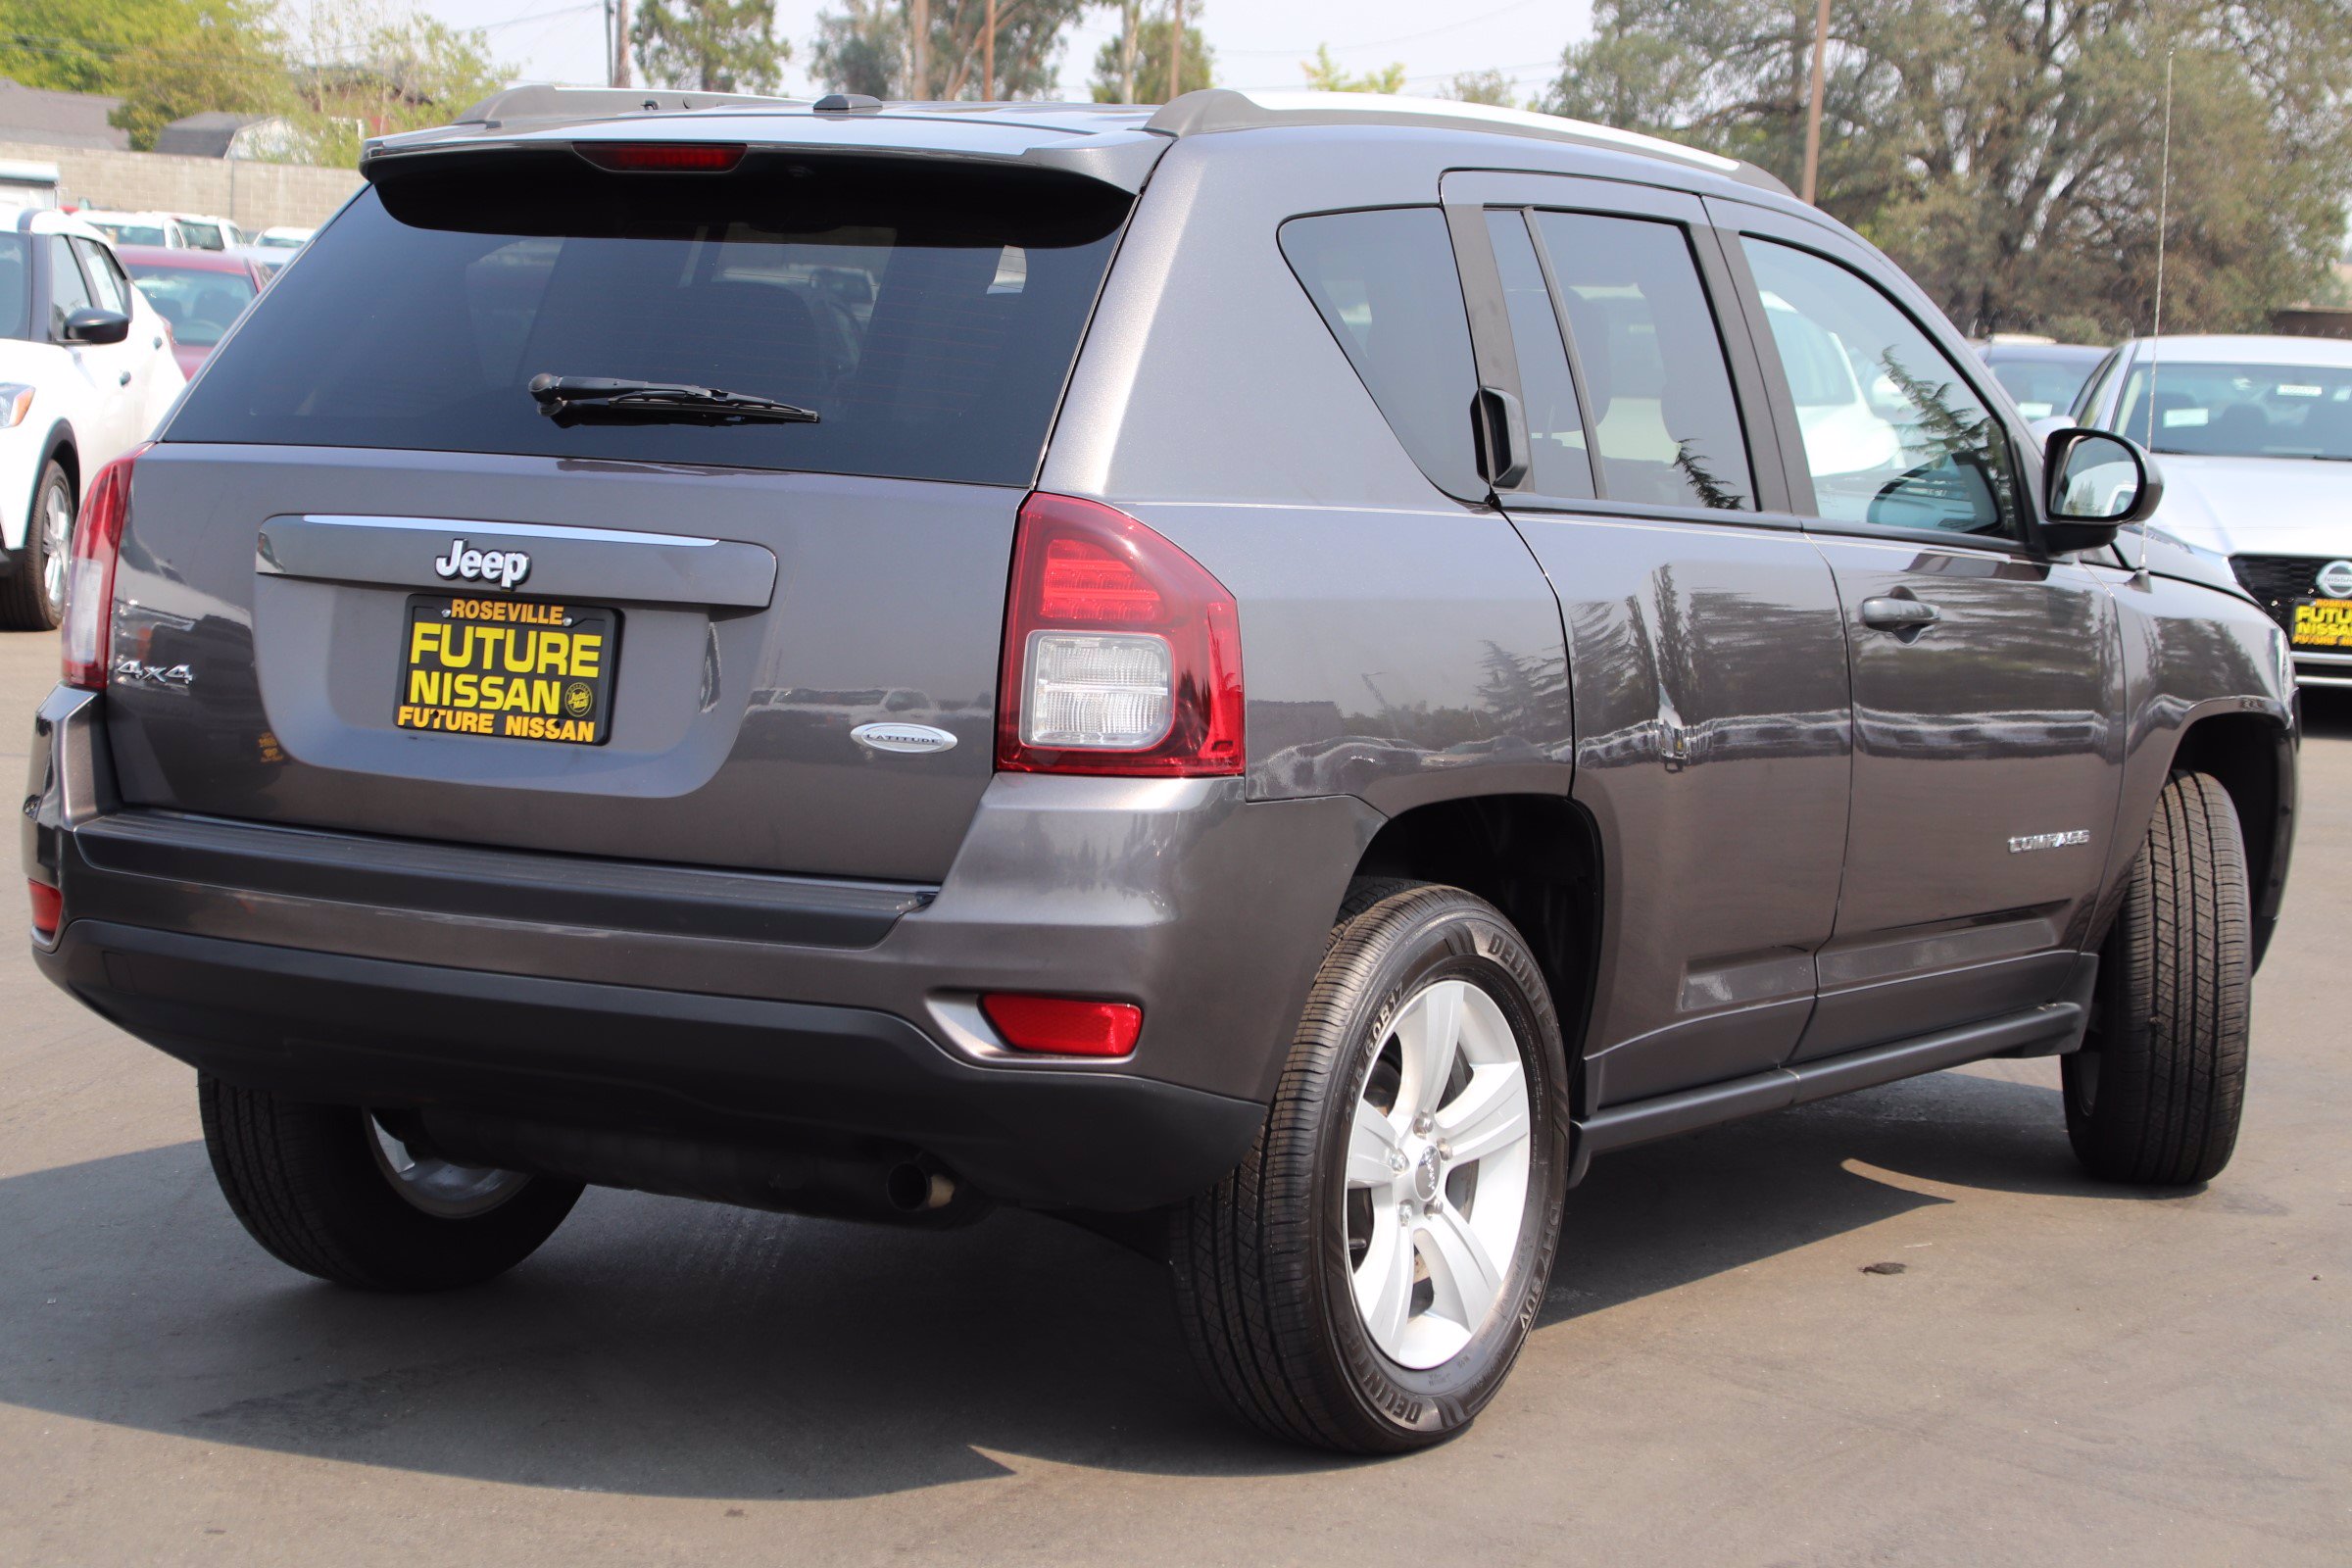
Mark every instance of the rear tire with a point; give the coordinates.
(2154, 1096)
(325, 1190)
(33, 597)
(1389, 1162)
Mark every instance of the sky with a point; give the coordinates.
(1257, 43)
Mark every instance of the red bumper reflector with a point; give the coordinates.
(49, 907)
(1064, 1026)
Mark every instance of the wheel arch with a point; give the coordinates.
(2253, 757)
(58, 446)
(1535, 858)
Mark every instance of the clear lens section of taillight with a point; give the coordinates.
(1122, 655)
(1097, 691)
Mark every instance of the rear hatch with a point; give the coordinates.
(410, 601)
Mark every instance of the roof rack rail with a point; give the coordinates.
(541, 101)
(1212, 109)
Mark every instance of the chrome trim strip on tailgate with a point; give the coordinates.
(604, 564)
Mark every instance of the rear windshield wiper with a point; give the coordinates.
(570, 398)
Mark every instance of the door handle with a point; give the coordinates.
(124, 379)
(1898, 614)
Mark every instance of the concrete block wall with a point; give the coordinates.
(254, 196)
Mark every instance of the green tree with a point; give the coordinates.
(1323, 74)
(1478, 87)
(709, 45)
(2008, 153)
(866, 47)
(364, 72)
(163, 58)
(1151, 39)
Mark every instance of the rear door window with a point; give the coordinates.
(1386, 285)
(1665, 423)
(930, 318)
(1558, 463)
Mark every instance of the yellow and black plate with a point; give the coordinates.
(2323, 624)
(522, 669)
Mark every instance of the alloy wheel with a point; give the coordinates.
(1436, 1174)
(440, 1186)
(57, 545)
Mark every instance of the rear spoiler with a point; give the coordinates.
(1111, 148)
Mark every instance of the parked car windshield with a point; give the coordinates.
(135, 233)
(2240, 411)
(2044, 384)
(15, 287)
(929, 317)
(199, 303)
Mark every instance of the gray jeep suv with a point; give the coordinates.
(1269, 676)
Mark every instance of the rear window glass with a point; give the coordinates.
(1386, 285)
(929, 319)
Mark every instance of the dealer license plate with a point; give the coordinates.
(520, 669)
(2323, 624)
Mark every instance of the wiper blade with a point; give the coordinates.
(567, 399)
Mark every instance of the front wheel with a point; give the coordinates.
(34, 596)
(332, 1191)
(2154, 1094)
(1365, 1278)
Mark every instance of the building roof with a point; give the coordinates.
(205, 136)
(59, 118)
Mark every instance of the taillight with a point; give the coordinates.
(662, 157)
(90, 577)
(1122, 655)
(1064, 1026)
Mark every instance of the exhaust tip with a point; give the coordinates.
(913, 1189)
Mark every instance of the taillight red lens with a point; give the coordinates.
(1122, 655)
(90, 574)
(662, 156)
(49, 907)
(1064, 1026)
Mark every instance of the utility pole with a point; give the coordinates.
(1821, 53)
(620, 14)
(921, 21)
(1176, 49)
(987, 58)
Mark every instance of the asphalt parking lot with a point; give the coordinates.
(2061, 1372)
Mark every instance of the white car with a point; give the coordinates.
(138, 229)
(207, 233)
(284, 238)
(2255, 435)
(86, 373)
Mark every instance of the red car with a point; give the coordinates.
(200, 293)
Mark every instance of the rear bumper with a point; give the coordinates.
(708, 1003)
(333, 1027)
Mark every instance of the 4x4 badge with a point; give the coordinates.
(505, 567)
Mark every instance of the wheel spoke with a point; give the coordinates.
(1429, 1031)
(1371, 1144)
(1384, 1281)
(1490, 1114)
(1463, 1279)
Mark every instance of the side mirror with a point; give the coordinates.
(2094, 484)
(91, 324)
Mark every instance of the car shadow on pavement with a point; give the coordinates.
(664, 1348)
